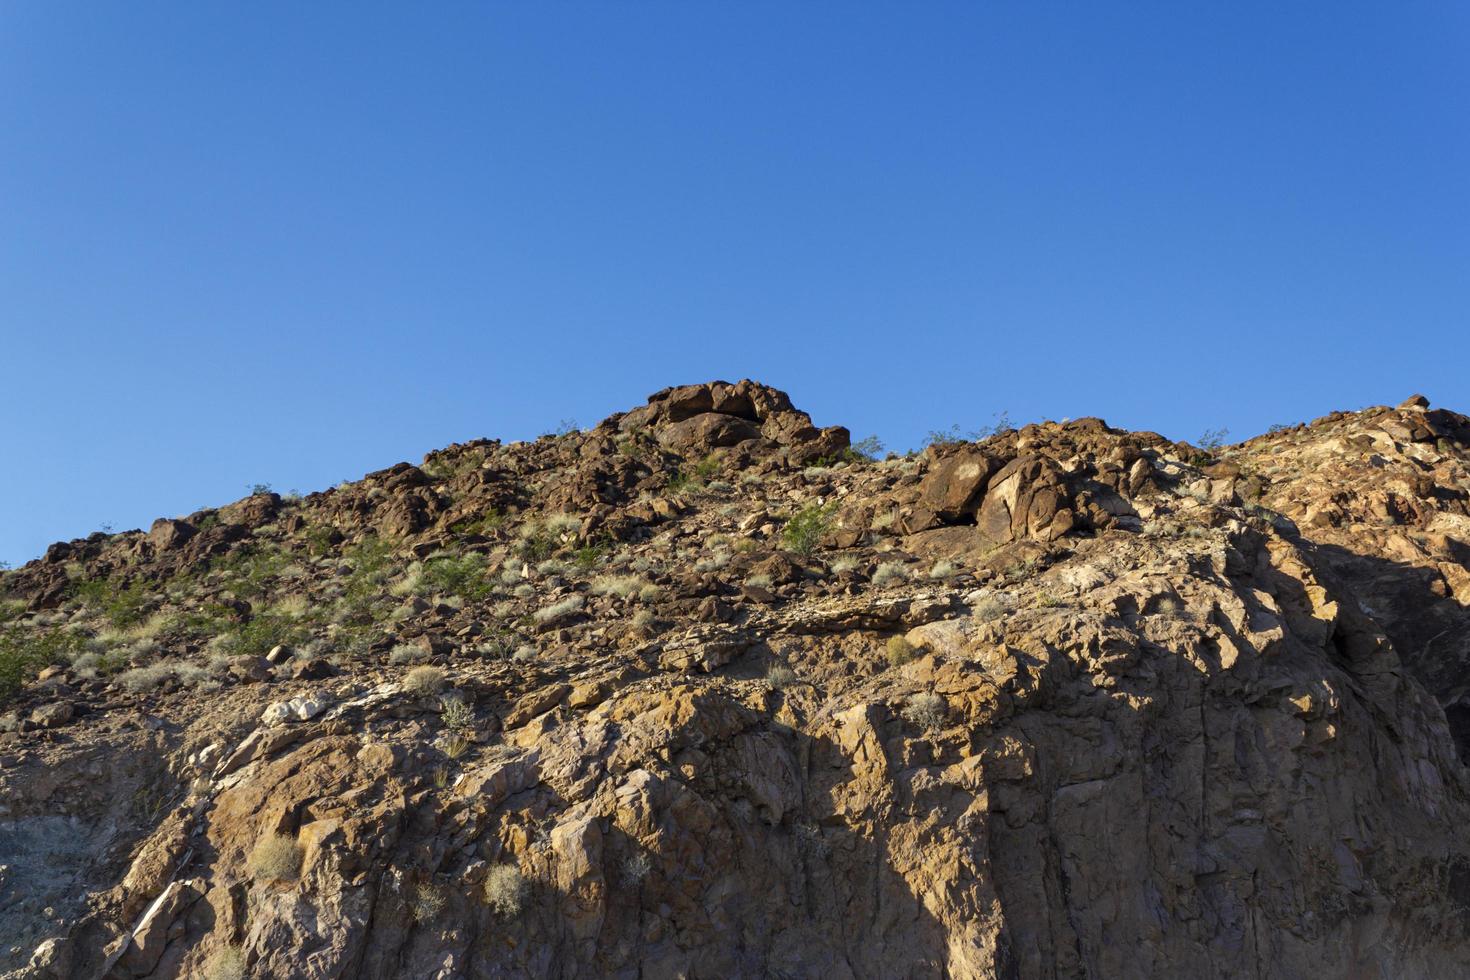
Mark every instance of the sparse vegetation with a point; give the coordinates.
(227, 963)
(625, 586)
(122, 605)
(780, 677)
(988, 608)
(806, 528)
(692, 476)
(456, 714)
(24, 653)
(927, 711)
(424, 681)
(537, 541)
(463, 576)
(143, 679)
(557, 610)
(505, 890)
(949, 437)
(899, 651)
(427, 903)
(890, 573)
(636, 868)
(1211, 440)
(276, 857)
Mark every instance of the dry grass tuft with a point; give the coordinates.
(275, 858)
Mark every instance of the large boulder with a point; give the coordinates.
(167, 534)
(951, 491)
(1027, 498)
(695, 419)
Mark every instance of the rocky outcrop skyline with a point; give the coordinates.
(703, 692)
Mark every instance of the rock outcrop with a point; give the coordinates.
(700, 692)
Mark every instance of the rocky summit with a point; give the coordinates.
(705, 692)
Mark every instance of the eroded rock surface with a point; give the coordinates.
(1067, 702)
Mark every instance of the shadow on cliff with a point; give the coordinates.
(1429, 629)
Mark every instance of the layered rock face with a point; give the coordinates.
(701, 693)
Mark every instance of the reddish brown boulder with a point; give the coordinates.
(167, 534)
(1028, 497)
(951, 491)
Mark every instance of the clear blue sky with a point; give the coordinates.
(293, 242)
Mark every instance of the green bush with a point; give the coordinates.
(123, 606)
(804, 531)
(266, 630)
(23, 654)
(463, 576)
(692, 476)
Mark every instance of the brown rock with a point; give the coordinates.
(167, 534)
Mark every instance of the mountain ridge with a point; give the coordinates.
(702, 691)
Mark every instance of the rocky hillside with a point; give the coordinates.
(703, 693)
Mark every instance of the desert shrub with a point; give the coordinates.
(533, 544)
(1211, 440)
(505, 890)
(890, 573)
(277, 857)
(463, 576)
(988, 608)
(456, 745)
(264, 631)
(561, 525)
(625, 586)
(942, 569)
(927, 711)
(457, 715)
(252, 571)
(691, 476)
(427, 903)
(405, 653)
(227, 963)
(482, 525)
(952, 436)
(713, 562)
(123, 606)
(780, 677)
(636, 868)
(24, 653)
(804, 531)
(424, 680)
(141, 679)
(761, 581)
(556, 610)
(899, 651)
(842, 565)
(539, 540)
(644, 619)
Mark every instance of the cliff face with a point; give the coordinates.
(701, 693)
